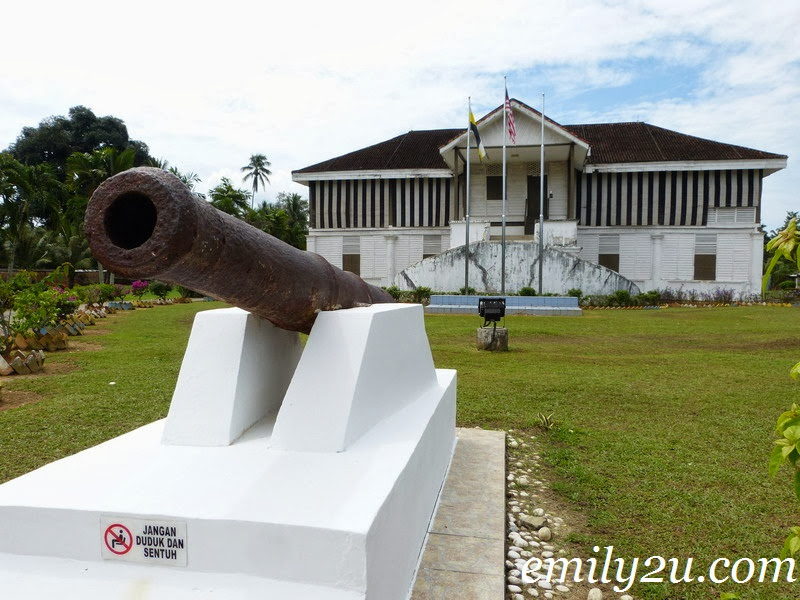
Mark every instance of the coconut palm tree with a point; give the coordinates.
(66, 245)
(229, 199)
(189, 178)
(16, 190)
(258, 171)
(86, 171)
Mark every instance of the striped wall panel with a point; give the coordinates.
(662, 197)
(359, 203)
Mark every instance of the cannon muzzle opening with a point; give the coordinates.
(130, 220)
(145, 223)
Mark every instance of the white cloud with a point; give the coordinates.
(207, 85)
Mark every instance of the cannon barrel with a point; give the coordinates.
(146, 224)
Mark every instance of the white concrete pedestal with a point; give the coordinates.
(326, 495)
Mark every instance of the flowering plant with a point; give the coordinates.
(66, 301)
(139, 287)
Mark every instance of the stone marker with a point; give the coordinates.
(20, 367)
(5, 368)
(493, 339)
(32, 363)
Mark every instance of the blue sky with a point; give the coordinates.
(207, 85)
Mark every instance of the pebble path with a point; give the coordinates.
(533, 532)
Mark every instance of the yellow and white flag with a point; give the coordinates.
(474, 128)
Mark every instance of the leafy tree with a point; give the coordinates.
(50, 142)
(189, 179)
(58, 137)
(46, 195)
(258, 171)
(296, 208)
(86, 171)
(16, 191)
(67, 245)
(141, 157)
(90, 133)
(231, 200)
(270, 219)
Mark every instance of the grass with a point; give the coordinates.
(141, 354)
(664, 424)
(663, 418)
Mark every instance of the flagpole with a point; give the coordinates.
(466, 243)
(503, 233)
(541, 204)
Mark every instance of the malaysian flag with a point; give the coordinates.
(512, 129)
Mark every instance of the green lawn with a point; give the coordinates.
(665, 423)
(664, 417)
(141, 354)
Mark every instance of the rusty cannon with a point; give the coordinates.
(145, 223)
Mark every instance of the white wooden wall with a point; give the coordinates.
(637, 253)
(517, 192)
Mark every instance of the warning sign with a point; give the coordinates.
(143, 540)
(118, 538)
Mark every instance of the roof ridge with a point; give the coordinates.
(396, 148)
(655, 142)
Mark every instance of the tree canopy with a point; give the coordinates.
(58, 137)
(49, 173)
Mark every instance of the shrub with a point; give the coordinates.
(527, 291)
(107, 291)
(34, 308)
(421, 295)
(649, 298)
(160, 289)
(394, 291)
(66, 301)
(467, 291)
(120, 291)
(720, 296)
(139, 287)
(185, 292)
(692, 295)
(620, 298)
(91, 293)
(81, 292)
(576, 293)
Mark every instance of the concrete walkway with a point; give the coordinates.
(464, 553)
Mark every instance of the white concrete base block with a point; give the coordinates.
(354, 373)
(235, 371)
(255, 517)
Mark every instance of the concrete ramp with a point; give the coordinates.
(561, 271)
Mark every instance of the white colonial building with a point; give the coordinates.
(661, 208)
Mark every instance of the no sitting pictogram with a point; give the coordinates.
(118, 538)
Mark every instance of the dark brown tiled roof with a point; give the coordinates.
(610, 143)
(642, 142)
(412, 150)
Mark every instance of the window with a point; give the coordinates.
(494, 187)
(608, 255)
(731, 215)
(431, 245)
(705, 257)
(351, 255)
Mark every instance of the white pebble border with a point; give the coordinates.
(531, 531)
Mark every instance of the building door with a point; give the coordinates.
(532, 205)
